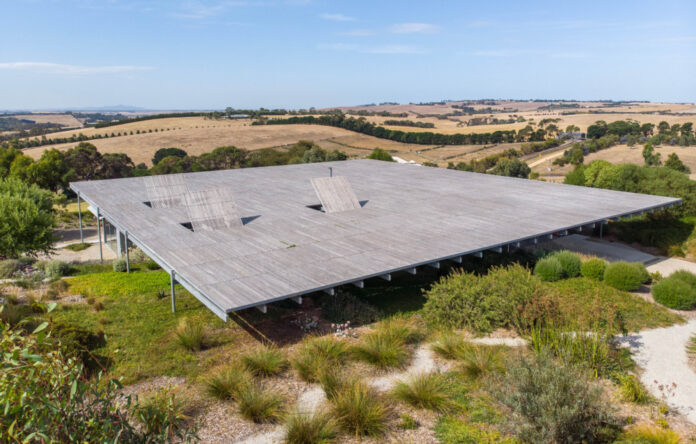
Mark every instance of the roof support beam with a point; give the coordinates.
(359, 284)
(478, 254)
(435, 265)
(329, 291)
(297, 299)
(79, 216)
(172, 281)
(99, 230)
(411, 270)
(457, 259)
(262, 308)
(497, 249)
(386, 277)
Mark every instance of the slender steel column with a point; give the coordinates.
(172, 277)
(125, 236)
(101, 255)
(79, 215)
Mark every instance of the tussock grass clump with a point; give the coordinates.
(448, 346)
(592, 351)
(119, 265)
(333, 380)
(400, 329)
(228, 383)
(480, 360)
(316, 428)
(360, 410)
(691, 345)
(594, 269)
(647, 434)
(259, 404)
(191, 334)
(265, 361)
(425, 391)
(633, 391)
(162, 414)
(382, 350)
(319, 352)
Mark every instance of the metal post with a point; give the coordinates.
(125, 236)
(101, 255)
(79, 216)
(601, 229)
(172, 276)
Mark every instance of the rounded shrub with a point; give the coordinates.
(594, 268)
(120, 265)
(642, 271)
(549, 269)
(686, 276)
(623, 276)
(570, 262)
(55, 268)
(675, 293)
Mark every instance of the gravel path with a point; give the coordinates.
(661, 353)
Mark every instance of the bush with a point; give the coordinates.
(482, 304)
(647, 434)
(315, 428)
(317, 353)
(685, 276)
(381, 350)
(554, 402)
(191, 335)
(675, 293)
(120, 265)
(78, 342)
(228, 383)
(594, 269)
(549, 269)
(259, 404)
(642, 272)
(8, 268)
(623, 276)
(54, 268)
(570, 262)
(380, 154)
(425, 391)
(265, 361)
(360, 410)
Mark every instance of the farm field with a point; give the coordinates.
(67, 120)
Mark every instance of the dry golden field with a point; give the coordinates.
(61, 119)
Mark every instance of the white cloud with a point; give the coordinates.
(57, 68)
(414, 28)
(359, 33)
(337, 17)
(201, 10)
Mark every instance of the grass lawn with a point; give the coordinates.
(139, 326)
(585, 303)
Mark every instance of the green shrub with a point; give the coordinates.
(647, 434)
(54, 268)
(685, 276)
(675, 293)
(8, 267)
(632, 390)
(316, 353)
(482, 304)
(163, 415)
(594, 269)
(77, 247)
(380, 154)
(554, 402)
(315, 428)
(360, 410)
(425, 391)
(227, 383)
(570, 262)
(448, 346)
(120, 265)
(78, 342)
(191, 334)
(265, 361)
(260, 404)
(152, 265)
(623, 276)
(549, 269)
(381, 350)
(642, 272)
(480, 360)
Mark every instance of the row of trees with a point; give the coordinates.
(425, 138)
(620, 128)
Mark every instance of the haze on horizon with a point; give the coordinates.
(210, 54)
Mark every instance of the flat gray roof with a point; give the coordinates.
(410, 216)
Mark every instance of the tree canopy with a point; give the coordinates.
(26, 219)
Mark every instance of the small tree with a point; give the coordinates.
(380, 154)
(511, 168)
(26, 219)
(674, 162)
(651, 158)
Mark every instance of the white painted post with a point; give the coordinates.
(99, 225)
(125, 237)
(172, 277)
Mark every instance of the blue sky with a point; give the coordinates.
(300, 53)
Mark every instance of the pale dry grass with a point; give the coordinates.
(61, 119)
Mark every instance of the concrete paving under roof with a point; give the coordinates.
(410, 216)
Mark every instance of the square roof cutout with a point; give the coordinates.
(166, 191)
(212, 209)
(335, 194)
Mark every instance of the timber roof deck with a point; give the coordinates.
(285, 247)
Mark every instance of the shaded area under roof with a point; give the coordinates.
(410, 216)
